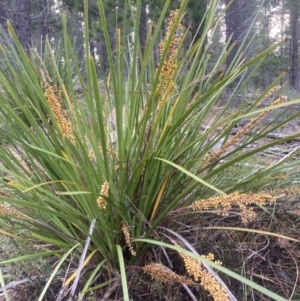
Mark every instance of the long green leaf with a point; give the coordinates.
(192, 176)
(123, 274)
(31, 256)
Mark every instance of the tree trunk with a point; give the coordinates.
(21, 22)
(238, 18)
(44, 24)
(79, 41)
(143, 26)
(196, 12)
(294, 46)
(282, 37)
(234, 21)
(3, 20)
(3, 14)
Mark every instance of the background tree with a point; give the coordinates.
(3, 14)
(238, 18)
(194, 18)
(143, 25)
(21, 21)
(294, 44)
(45, 23)
(35, 20)
(3, 18)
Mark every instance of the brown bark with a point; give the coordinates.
(238, 18)
(21, 22)
(3, 15)
(234, 21)
(143, 26)
(294, 46)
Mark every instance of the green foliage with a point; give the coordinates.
(143, 136)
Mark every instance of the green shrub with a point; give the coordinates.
(96, 175)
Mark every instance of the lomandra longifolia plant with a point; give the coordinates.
(96, 174)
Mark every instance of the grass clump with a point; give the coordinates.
(96, 180)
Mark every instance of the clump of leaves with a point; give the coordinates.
(97, 176)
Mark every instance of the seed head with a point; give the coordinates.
(227, 202)
(163, 274)
(241, 133)
(7, 210)
(54, 99)
(104, 192)
(126, 233)
(200, 274)
(166, 78)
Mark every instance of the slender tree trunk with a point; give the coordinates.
(281, 37)
(143, 26)
(3, 14)
(294, 46)
(234, 21)
(3, 20)
(21, 22)
(79, 41)
(196, 11)
(44, 24)
(143, 30)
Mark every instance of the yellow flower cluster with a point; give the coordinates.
(11, 211)
(161, 273)
(193, 266)
(126, 233)
(54, 99)
(104, 192)
(166, 78)
(199, 273)
(213, 286)
(117, 166)
(242, 132)
(269, 94)
(112, 153)
(227, 202)
(166, 84)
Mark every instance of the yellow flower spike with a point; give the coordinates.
(54, 99)
(101, 202)
(166, 84)
(10, 211)
(195, 269)
(161, 273)
(242, 132)
(227, 202)
(126, 233)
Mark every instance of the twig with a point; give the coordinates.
(74, 286)
(15, 283)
